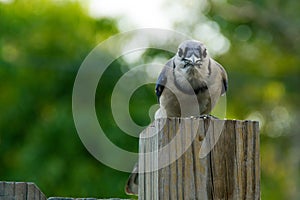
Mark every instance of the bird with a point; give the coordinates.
(189, 85)
(190, 73)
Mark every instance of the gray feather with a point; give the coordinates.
(162, 79)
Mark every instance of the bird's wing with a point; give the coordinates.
(224, 77)
(162, 79)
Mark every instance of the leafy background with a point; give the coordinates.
(43, 43)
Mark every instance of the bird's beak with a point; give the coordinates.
(193, 61)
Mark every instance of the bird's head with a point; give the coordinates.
(192, 58)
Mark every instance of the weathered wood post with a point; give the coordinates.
(29, 191)
(194, 158)
(20, 191)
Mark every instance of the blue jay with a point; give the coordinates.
(190, 73)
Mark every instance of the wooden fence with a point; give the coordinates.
(186, 158)
(29, 191)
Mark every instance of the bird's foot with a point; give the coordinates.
(205, 116)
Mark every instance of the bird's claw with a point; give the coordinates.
(205, 116)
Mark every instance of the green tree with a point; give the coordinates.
(42, 45)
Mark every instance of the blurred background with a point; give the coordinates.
(43, 43)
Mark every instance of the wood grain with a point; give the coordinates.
(229, 171)
(20, 191)
(29, 191)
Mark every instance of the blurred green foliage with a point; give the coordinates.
(42, 45)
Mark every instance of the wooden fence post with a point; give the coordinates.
(29, 191)
(20, 191)
(194, 158)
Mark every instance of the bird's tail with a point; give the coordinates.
(132, 184)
